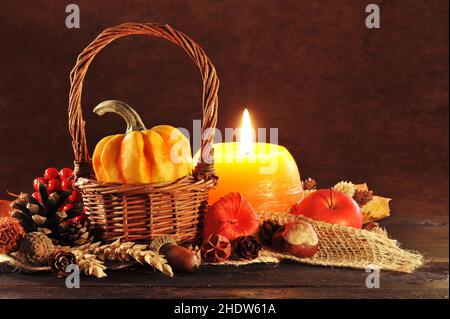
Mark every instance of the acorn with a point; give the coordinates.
(180, 258)
(296, 238)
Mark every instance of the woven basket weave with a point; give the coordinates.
(143, 211)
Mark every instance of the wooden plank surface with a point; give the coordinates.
(429, 235)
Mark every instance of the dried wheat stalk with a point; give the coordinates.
(127, 252)
(89, 264)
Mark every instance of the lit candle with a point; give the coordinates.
(265, 174)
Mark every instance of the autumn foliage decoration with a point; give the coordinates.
(231, 216)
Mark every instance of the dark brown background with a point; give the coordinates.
(349, 102)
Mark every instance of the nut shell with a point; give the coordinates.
(180, 258)
(297, 238)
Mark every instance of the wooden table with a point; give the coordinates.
(428, 235)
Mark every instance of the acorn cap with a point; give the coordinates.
(160, 241)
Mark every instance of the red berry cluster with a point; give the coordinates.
(55, 181)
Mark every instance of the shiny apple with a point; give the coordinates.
(331, 206)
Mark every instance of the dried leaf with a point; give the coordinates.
(376, 209)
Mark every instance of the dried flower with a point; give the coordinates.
(247, 247)
(60, 261)
(10, 234)
(345, 187)
(309, 184)
(216, 249)
(363, 197)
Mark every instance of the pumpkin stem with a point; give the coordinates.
(134, 122)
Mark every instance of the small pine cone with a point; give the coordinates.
(362, 197)
(216, 249)
(36, 248)
(267, 230)
(76, 231)
(60, 261)
(10, 234)
(247, 247)
(309, 184)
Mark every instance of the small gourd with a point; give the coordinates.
(141, 155)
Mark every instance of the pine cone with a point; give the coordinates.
(10, 234)
(247, 247)
(362, 197)
(216, 249)
(75, 231)
(50, 216)
(60, 261)
(266, 231)
(309, 184)
(36, 248)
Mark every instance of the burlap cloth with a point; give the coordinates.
(341, 246)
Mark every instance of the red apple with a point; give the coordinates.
(296, 238)
(330, 206)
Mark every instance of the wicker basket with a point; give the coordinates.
(140, 212)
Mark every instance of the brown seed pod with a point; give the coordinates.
(216, 249)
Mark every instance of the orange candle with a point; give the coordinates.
(265, 174)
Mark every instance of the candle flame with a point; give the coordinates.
(246, 134)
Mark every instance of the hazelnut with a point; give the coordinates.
(296, 238)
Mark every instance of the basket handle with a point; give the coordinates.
(83, 166)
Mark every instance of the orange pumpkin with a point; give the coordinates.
(160, 154)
